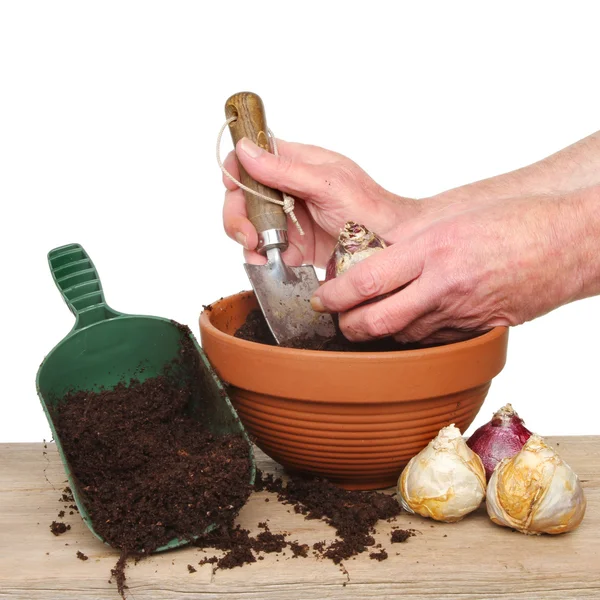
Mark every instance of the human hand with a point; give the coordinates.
(329, 190)
(495, 264)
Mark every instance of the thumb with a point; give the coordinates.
(282, 172)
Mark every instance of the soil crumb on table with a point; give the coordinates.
(81, 556)
(255, 329)
(401, 535)
(148, 471)
(58, 528)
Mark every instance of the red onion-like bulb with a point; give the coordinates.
(502, 437)
(355, 243)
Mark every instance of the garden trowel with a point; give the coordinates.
(283, 292)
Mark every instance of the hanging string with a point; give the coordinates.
(288, 202)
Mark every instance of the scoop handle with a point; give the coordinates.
(266, 216)
(78, 282)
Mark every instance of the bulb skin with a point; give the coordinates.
(445, 481)
(502, 437)
(536, 492)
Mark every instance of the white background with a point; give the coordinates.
(108, 118)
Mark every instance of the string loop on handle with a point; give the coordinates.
(288, 202)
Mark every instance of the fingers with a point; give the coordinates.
(254, 258)
(235, 220)
(287, 172)
(231, 166)
(311, 155)
(314, 155)
(410, 315)
(379, 274)
(292, 257)
(386, 317)
(423, 328)
(447, 336)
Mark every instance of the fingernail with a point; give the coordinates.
(241, 239)
(317, 304)
(250, 148)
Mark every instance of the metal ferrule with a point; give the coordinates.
(272, 238)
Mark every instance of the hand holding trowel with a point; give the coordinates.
(283, 292)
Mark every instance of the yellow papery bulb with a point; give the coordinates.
(535, 491)
(445, 481)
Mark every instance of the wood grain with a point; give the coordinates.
(251, 122)
(470, 560)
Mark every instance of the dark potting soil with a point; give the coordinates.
(239, 544)
(401, 535)
(81, 556)
(147, 469)
(255, 329)
(57, 528)
(353, 514)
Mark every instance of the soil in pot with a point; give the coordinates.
(255, 329)
(148, 470)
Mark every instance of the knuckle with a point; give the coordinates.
(418, 332)
(350, 330)
(376, 324)
(367, 282)
(404, 338)
(410, 336)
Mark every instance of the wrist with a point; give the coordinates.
(572, 256)
(584, 227)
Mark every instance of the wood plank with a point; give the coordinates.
(469, 560)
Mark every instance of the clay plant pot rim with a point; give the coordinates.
(393, 355)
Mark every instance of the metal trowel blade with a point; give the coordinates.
(283, 294)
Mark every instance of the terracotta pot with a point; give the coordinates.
(354, 418)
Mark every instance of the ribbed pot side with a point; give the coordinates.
(354, 418)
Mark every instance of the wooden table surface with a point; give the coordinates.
(473, 559)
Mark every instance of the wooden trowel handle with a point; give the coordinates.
(251, 122)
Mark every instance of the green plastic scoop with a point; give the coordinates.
(106, 347)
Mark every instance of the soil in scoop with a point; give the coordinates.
(147, 469)
(255, 329)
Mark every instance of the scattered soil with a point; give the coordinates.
(148, 471)
(255, 329)
(269, 542)
(299, 550)
(239, 546)
(58, 528)
(81, 555)
(401, 535)
(191, 569)
(67, 496)
(353, 514)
